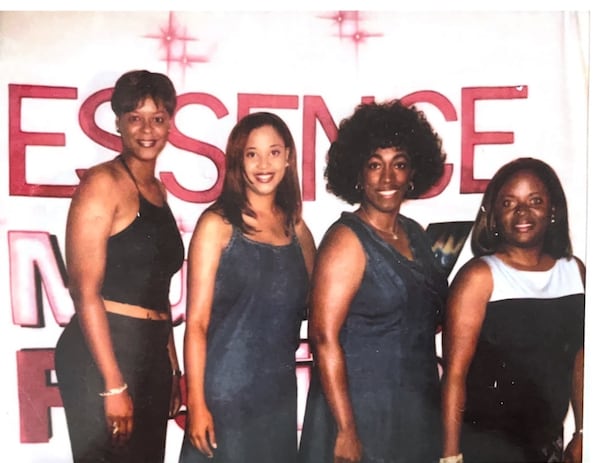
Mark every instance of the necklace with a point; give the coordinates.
(393, 234)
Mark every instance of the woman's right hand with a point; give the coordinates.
(118, 409)
(201, 430)
(348, 448)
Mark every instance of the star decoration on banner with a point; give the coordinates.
(349, 25)
(174, 39)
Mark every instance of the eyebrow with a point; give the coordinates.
(396, 156)
(275, 145)
(535, 193)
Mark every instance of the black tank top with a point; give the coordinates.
(142, 258)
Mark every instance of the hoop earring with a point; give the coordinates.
(411, 186)
(358, 186)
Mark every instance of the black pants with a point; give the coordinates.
(140, 346)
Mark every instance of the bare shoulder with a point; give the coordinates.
(307, 244)
(304, 234)
(213, 228)
(476, 276)
(340, 238)
(104, 177)
(101, 188)
(341, 249)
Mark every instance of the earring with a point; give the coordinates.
(552, 218)
(411, 186)
(496, 234)
(358, 186)
(482, 209)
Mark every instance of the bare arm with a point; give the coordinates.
(176, 376)
(208, 240)
(89, 225)
(467, 299)
(307, 243)
(339, 268)
(574, 450)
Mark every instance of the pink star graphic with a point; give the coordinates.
(349, 27)
(173, 39)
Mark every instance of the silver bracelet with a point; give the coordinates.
(113, 391)
(452, 459)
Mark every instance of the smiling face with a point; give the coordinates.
(144, 131)
(523, 210)
(385, 179)
(265, 160)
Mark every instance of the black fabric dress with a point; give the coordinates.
(519, 382)
(250, 378)
(389, 343)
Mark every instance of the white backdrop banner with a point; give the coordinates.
(495, 85)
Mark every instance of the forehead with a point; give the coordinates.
(524, 179)
(148, 104)
(266, 133)
(391, 151)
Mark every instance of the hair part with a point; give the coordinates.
(557, 242)
(383, 125)
(133, 87)
(233, 203)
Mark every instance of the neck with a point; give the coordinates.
(524, 258)
(143, 171)
(386, 223)
(261, 204)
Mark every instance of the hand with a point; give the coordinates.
(573, 453)
(201, 430)
(175, 397)
(348, 448)
(118, 411)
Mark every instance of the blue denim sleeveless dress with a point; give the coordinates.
(250, 380)
(388, 340)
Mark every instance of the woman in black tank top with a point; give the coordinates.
(116, 364)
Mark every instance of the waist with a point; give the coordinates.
(134, 311)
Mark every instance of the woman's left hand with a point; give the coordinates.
(175, 396)
(574, 451)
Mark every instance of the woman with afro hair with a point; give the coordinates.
(376, 298)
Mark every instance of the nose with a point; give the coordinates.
(262, 161)
(386, 174)
(520, 209)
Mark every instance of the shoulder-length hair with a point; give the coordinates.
(383, 125)
(232, 203)
(557, 242)
(133, 87)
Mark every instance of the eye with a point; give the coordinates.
(159, 119)
(536, 201)
(507, 203)
(401, 165)
(372, 165)
(275, 152)
(250, 154)
(133, 118)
